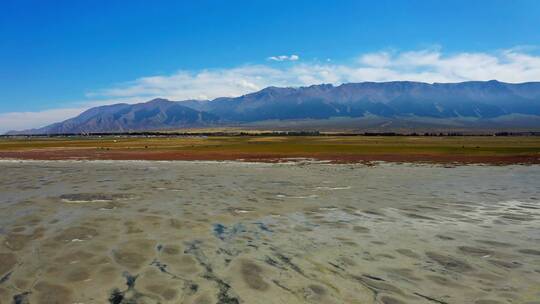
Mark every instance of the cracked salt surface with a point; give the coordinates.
(257, 233)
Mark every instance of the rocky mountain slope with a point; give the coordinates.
(475, 100)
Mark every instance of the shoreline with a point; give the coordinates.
(85, 155)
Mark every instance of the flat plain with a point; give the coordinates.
(344, 149)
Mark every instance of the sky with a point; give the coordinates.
(58, 58)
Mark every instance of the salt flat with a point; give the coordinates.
(302, 232)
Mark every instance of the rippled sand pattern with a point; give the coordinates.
(196, 232)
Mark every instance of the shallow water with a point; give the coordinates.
(205, 232)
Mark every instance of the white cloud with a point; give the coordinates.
(29, 120)
(284, 58)
(422, 65)
(205, 84)
(380, 59)
(428, 65)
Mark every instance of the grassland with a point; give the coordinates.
(466, 149)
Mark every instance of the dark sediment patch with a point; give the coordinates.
(129, 258)
(418, 216)
(132, 295)
(75, 256)
(488, 276)
(487, 301)
(48, 293)
(336, 266)
(445, 237)
(171, 250)
(518, 217)
(204, 299)
(162, 267)
(91, 197)
(495, 243)
(391, 300)
(506, 264)
(134, 254)
(385, 255)
(165, 292)
(272, 262)
(333, 224)
(529, 207)
(280, 285)
(132, 228)
(474, 251)
(373, 212)
(177, 224)
(372, 277)
(76, 234)
(348, 261)
(317, 289)
(302, 228)
(404, 273)
(427, 207)
(239, 211)
(449, 262)
(7, 262)
(442, 281)
(377, 284)
(530, 251)
(18, 229)
(408, 253)
(22, 298)
(16, 242)
(315, 292)
(429, 298)
(252, 275)
(5, 277)
(361, 229)
(287, 261)
(263, 227)
(78, 274)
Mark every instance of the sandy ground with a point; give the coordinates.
(302, 232)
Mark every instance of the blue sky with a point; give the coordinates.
(59, 57)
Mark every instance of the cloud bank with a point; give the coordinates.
(28, 120)
(423, 65)
(427, 65)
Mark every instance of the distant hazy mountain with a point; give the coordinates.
(387, 99)
(156, 114)
(471, 100)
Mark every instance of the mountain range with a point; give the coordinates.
(398, 100)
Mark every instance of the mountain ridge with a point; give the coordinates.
(472, 99)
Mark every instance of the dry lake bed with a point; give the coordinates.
(302, 232)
